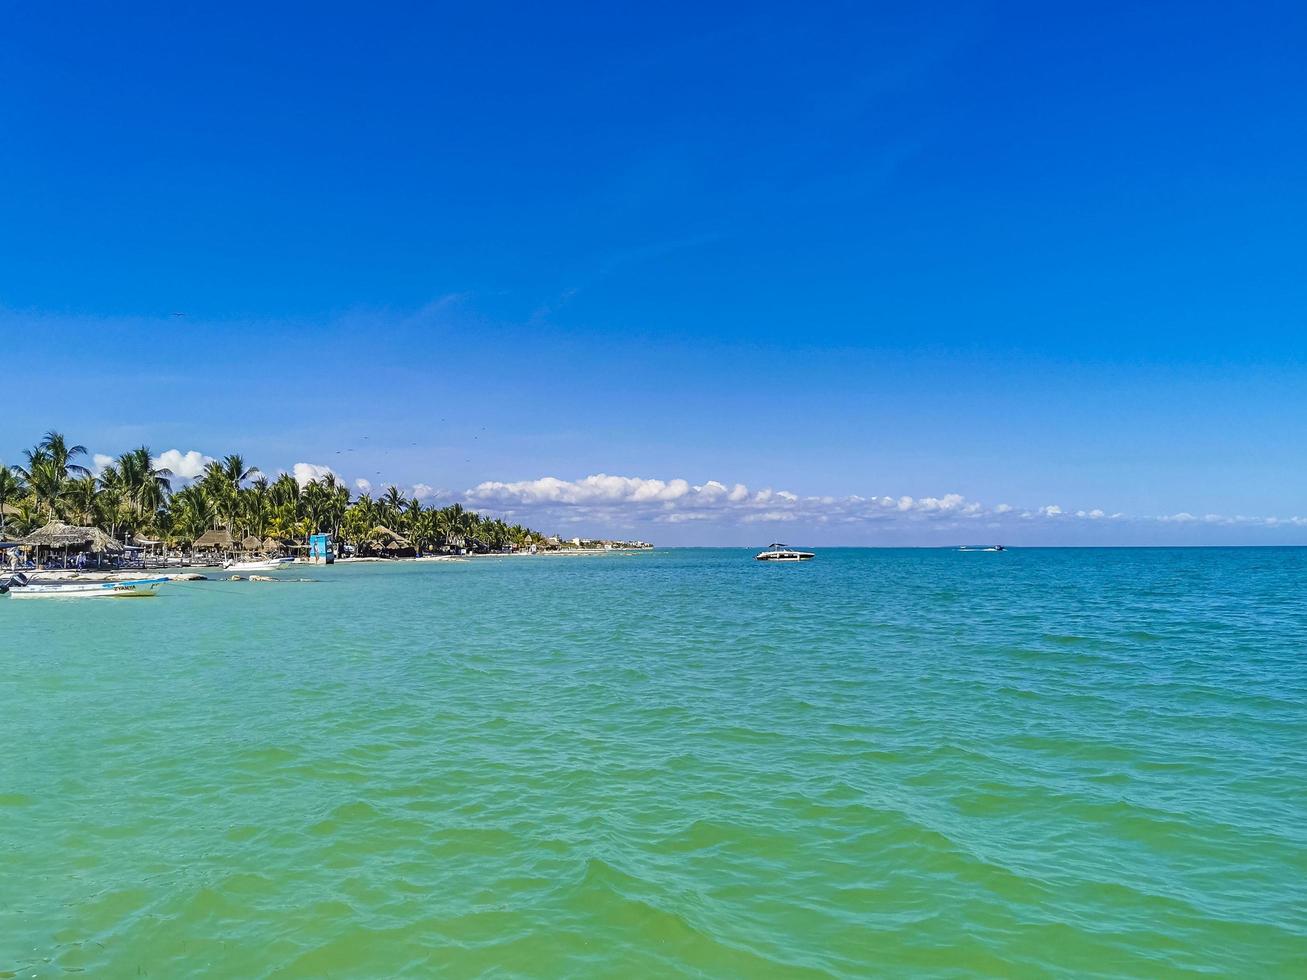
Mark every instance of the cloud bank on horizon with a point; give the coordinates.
(678, 501)
(604, 503)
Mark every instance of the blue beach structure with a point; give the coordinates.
(320, 549)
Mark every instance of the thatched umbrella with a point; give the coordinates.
(217, 538)
(273, 544)
(57, 534)
(70, 537)
(252, 542)
(384, 539)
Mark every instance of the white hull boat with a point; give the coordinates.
(20, 587)
(257, 565)
(782, 552)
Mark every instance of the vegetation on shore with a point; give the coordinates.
(131, 497)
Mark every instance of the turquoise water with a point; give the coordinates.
(685, 763)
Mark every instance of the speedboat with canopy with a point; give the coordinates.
(783, 552)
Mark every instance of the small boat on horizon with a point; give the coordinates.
(783, 552)
(992, 547)
(21, 587)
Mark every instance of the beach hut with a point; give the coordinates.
(69, 538)
(389, 543)
(252, 542)
(216, 539)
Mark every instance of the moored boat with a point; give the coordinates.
(783, 552)
(256, 565)
(21, 587)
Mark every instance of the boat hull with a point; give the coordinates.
(139, 589)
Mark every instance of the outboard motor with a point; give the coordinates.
(18, 579)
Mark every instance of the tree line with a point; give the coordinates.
(132, 498)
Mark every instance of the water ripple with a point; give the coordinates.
(682, 764)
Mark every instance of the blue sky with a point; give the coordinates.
(1042, 256)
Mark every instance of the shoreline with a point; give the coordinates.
(191, 573)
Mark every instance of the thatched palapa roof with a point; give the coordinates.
(57, 534)
(385, 539)
(216, 538)
(252, 542)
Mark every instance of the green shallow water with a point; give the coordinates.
(683, 763)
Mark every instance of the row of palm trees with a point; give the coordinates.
(132, 497)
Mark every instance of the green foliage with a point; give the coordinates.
(131, 496)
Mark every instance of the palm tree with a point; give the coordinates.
(423, 528)
(27, 518)
(335, 503)
(80, 499)
(191, 513)
(144, 488)
(234, 468)
(283, 507)
(451, 523)
(62, 455)
(313, 502)
(358, 521)
(222, 480)
(131, 493)
(393, 501)
(12, 488)
(49, 468)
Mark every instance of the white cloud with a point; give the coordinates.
(599, 488)
(306, 473)
(770, 516)
(364, 486)
(605, 497)
(184, 466)
(612, 501)
(98, 462)
(422, 492)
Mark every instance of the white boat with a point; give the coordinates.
(996, 547)
(783, 552)
(255, 565)
(21, 587)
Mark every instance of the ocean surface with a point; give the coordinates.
(683, 763)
